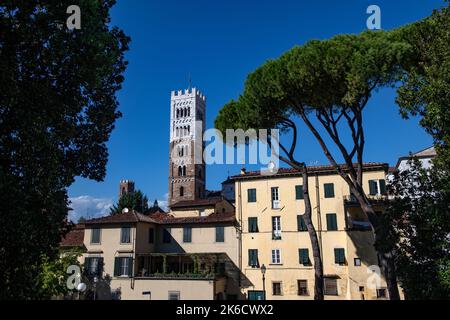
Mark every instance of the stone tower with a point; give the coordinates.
(187, 169)
(125, 186)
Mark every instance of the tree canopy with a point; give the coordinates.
(57, 109)
(136, 200)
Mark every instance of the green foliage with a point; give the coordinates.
(57, 110)
(426, 85)
(132, 200)
(53, 277)
(419, 222)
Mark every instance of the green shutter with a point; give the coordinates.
(372, 187)
(331, 222)
(116, 266)
(382, 186)
(253, 257)
(301, 225)
(252, 224)
(251, 195)
(298, 192)
(304, 256)
(220, 234)
(329, 190)
(339, 256)
(130, 267)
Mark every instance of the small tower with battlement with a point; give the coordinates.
(187, 124)
(125, 186)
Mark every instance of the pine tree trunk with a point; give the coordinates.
(318, 265)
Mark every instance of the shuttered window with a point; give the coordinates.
(251, 195)
(339, 256)
(330, 286)
(123, 267)
(298, 192)
(331, 222)
(187, 234)
(220, 234)
(329, 190)
(301, 225)
(253, 224)
(302, 287)
(382, 186)
(303, 255)
(253, 258)
(373, 187)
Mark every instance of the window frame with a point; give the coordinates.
(275, 253)
(280, 287)
(223, 234)
(187, 234)
(254, 223)
(122, 235)
(332, 226)
(99, 235)
(326, 193)
(251, 195)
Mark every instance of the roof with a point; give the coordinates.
(74, 238)
(155, 209)
(429, 152)
(128, 217)
(325, 169)
(212, 218)
(207, 202)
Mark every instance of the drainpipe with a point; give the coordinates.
(240, 232)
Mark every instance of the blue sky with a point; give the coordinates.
(218, 43)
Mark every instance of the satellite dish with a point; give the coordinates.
(125, 210)
(81, 287)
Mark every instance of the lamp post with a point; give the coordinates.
(95, 286)
(263, 272)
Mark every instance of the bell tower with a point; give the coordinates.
(187, 124)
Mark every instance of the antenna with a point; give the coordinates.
(189, 81)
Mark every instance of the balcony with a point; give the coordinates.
(351, 201)
(181, 265)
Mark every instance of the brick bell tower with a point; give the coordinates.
(187, 124)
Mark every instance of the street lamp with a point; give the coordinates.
(95, 286)
(263, 271)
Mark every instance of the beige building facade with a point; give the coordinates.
(269, 209)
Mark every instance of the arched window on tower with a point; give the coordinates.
(181, 191)
(180, 171)
(189, 129)
(178, 113)
(184, 171)
(189, 112)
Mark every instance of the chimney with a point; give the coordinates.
(243, 171)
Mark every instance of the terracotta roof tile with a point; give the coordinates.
(212, 218)
(128, 217)
(197, 203)
(74, 238)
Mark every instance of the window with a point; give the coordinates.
(166, 236)
(187, 234)
(95, 235)
(339, 256)
(220, 234)
(125, 235)
(274, 193)
(151, 235)
(331, 222)
(357, 262)
(381, 293)
(123, 266)
(253, 258)
(329, 190)
(276, 288)
(302, 286)
(377, 187)
(330, 286)
(275, 198)
(94, 265)
(303, 255)
(253, 224)
(276, 228)
(276, 256)
(298, 192)
(174, 295)
(251, 195)
(181, 191)
(301, 225)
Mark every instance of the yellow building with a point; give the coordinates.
(269, 211)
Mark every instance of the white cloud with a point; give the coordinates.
(89, 207)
